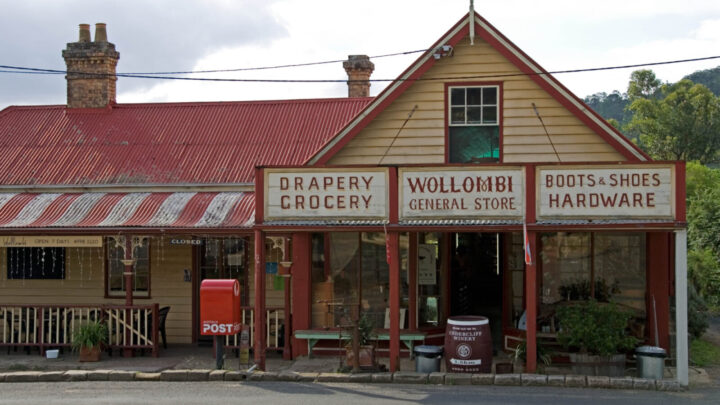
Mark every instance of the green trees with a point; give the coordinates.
(678, 121)
(681, 121)
(703, 215)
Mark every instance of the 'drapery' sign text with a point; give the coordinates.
(462, 192)
(326, 193)
(642, 191)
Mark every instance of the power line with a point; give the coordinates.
(327, 62)
(142, 74)
(20, 69)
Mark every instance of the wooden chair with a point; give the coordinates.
(162, 316)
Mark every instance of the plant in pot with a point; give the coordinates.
(519, 357)
(596, 336)
(361, 340)
(88, 339)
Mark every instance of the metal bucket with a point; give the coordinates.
(427, 358)
(650, 362)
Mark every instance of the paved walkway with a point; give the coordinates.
(187, 357)
(176, 357)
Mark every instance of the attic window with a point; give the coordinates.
(473, 127)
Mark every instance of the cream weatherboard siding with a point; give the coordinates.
(422, 140)
(84, 283)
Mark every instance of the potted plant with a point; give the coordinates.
(361, 340)
(519, 356)
(88, 339)
(596, 334)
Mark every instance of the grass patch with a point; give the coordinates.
(704, 353)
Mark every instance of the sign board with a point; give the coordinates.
(51, 241)
(606, 192)
(462, 193)
(194, 242)
(271, 267)
(321, 194)
(427, 264)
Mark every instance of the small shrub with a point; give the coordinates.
(89, 334)
(598, 329)
(544, 356)
(580, 290)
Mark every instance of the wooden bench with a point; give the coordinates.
(315, 335)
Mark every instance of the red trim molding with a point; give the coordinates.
(259, 195)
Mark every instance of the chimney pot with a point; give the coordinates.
(84, 33)
(100, 32)
(91, 68)
(358, 68)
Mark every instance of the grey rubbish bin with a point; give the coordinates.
(427, 358)
(650, 362)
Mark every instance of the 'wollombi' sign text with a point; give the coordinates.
(606, 192)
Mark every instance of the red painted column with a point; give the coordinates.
(301, 289)
(659, 247)
(393, 244)
(531, 297)
(259, 309)
(531, 271)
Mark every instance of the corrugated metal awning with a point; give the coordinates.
(460, 222)
(326, 222)
(614, 221)
(147, 210)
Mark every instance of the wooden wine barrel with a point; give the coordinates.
(468, 345)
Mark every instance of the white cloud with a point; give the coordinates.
(701, 42)
(558, 34)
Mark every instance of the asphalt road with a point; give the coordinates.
(267, 393)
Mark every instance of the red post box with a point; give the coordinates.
(220, 307)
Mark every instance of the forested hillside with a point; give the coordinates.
(613, 106)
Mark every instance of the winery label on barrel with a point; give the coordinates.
(468, 345)
(464, 352)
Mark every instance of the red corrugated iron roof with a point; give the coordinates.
(114, 210)
(164, 143)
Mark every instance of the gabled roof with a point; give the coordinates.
(164, 143)
(488, 33)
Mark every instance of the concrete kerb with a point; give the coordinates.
(410, 377)
(401, 377)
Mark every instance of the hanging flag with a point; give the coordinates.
(528, 256)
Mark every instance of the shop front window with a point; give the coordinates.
(116, 269)
(431, 310)
(350, 276)
(608, 267)
(224, 258)
(36, 263)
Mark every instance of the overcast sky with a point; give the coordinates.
(180, 35)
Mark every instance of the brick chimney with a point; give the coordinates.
(358, 68)
(91, 69)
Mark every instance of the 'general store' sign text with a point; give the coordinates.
(462, 193)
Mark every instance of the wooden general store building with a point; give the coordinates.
(408, 207)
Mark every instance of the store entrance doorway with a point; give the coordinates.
(476, 279)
